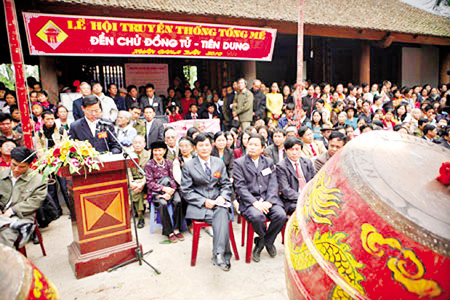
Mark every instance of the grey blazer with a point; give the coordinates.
(157, 104)
(196, 187)
(156, 133)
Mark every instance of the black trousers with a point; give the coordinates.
(290, 207)
(277, 217)
(161, 205)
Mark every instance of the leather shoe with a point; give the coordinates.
(271, 250)
(259, 245)
(219, 260)
(34, 238)
(141, 223)
(25, 232)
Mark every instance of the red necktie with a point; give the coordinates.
(194, 117)
(301, 178)
(312, 149)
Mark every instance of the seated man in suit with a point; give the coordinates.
(193, 112)
(77, 111)
(336, 141)
(256, 184)
(150, 99)
(154, 129)
(293, 173)
(311, 148)
(21, 194)
(276, 150)
(207, 189)
(210, 112)
(171, 140)
(89, 128)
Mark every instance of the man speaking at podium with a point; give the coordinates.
(93, 128)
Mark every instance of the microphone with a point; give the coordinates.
(105, 122)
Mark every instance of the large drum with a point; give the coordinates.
(20, 279)
(374, 223)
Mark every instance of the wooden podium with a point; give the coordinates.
(101, 227)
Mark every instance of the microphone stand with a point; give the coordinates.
(139, 254)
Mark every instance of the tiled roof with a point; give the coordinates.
(384, 15)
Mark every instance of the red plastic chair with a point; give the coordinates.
(284, 229)
(196, 226)
(250, 235)
(23, 250)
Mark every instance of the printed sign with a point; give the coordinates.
(103, 36)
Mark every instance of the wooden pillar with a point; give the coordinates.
(364, 64)
(299, 87)
(249, 71)
(49, 80)
(15, 48)
(445, 66)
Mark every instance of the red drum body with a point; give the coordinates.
(374, 223)
(21, 280)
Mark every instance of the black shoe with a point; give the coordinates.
(25, 232)
(259, 245)
(219, 260)
(271, 250)
(141, 223)
(34, 238)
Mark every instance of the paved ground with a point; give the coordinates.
(264, 280)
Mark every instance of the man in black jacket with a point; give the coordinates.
(92, 129)
(256, 185)
(150, 99)
(308, 102)
(259, 104)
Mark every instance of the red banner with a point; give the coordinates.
(100, 36)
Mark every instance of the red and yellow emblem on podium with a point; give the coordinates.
(102, 211)
(52, 35)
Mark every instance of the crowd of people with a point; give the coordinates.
(267, 150)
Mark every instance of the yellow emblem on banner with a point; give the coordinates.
(52, 35)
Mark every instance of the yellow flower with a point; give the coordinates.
(63, 157)
(85, 152)
(64, 150)
(66, 144)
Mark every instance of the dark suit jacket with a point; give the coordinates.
(272, 152)
(205, 115)
(251, 185)
(188, 116)
(259, 106)
(196, 187)
(156, 133)
(79, 130)
(288, 180)
(228, 159)
(157, 104)
(129, 101)
(309, 102)
(77, 112)
(445, 144)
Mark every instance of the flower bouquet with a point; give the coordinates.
(75, 154)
